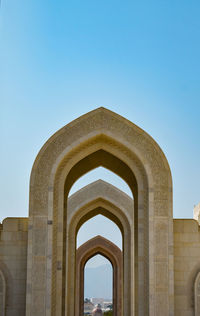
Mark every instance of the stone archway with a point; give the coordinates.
(99, 245)
(100, 137)
(102, 198)
(106, 158)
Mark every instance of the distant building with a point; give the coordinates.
(106, 305)
(98, 300)
(88, 307)
(97, 311)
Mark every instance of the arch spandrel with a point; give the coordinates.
(97, 130)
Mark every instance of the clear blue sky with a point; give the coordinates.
(61, 59)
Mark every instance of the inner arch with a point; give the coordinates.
(99, 225)
(93, 247)
(103, 174)
(103, 281)
(110, 161)
(106, 160)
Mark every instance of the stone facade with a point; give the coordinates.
(13, 266)
(161, 265)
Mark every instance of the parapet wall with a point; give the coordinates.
(13, 264)
(186, 265)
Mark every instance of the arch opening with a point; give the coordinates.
(100, 158)
(98, 283)
(124, 254)
(99, 225)
(113, 163)
(104, 247)
(103, 174)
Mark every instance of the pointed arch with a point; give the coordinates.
(94, 246)
(102, 198)
(101, 137)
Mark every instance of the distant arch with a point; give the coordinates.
(94, 246)
(190, 286)
(100, 190)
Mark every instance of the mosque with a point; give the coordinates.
(158, 270)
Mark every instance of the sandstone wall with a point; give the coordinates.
(186, 264)
(13, 261)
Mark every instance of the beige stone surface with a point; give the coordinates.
(161, 256)
(100, 138)
(13, 262)
(186, 264)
